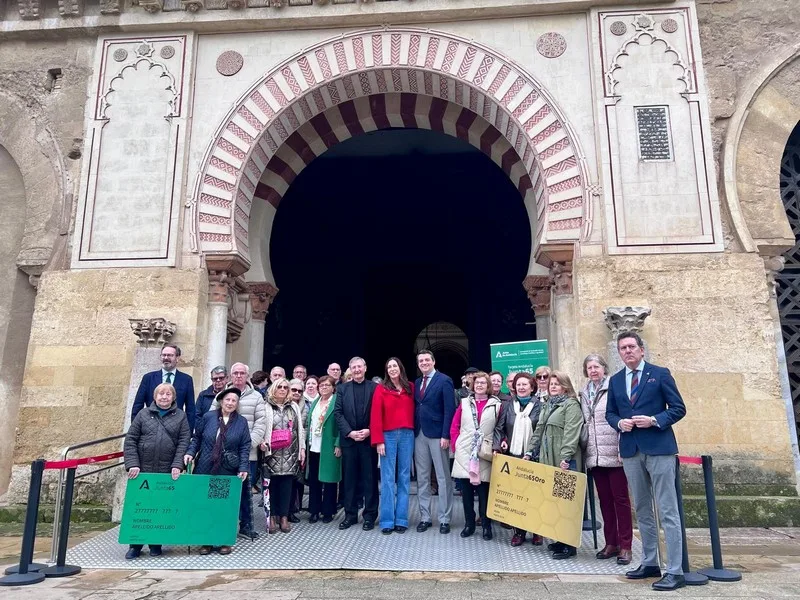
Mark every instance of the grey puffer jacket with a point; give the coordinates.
(602, 448)
(156, 444)
(253, 408)
(285, 461)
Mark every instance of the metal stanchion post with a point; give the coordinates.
(592, 507)
(691, 577)
(719, 572)
(27, 571)
(60, 569)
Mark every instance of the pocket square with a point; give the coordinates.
(651, 380)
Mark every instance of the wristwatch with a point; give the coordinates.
(653, 422)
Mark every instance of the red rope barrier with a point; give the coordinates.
(76, 462)
(690, 460)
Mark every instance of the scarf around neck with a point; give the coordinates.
(219, 443)
(523, 428)
(556, 401)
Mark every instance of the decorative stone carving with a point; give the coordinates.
(193, 5)
(218, 283)
(669, 25)
(261, 297)
(562, 277)
(625, 318)
(619, 28)
(152, 6)
(773, 266)
(276, 3)
(237, 4)
(229, 63)
(120, 54)
(152, 331)
(28, 9)
(109, 7)
(70, 8)
(167, 52)
(538, 288)
(551, 44)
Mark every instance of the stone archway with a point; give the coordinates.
(465, 89)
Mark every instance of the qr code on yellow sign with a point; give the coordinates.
(564, 484)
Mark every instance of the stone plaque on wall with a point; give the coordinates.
(131, 180)
(652, 131)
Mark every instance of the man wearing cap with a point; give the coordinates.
(466, 389)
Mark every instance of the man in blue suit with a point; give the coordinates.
(434, 409)
(184, 386)
(643, 404)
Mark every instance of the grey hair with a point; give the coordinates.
(246, 368)
(596, 358)
(220, 369)
(356, 359)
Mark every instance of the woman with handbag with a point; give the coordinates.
(324, 464)
(556, 440)
(473, 430)
(605, 465)
(284, 453)
(519, 417)
(221, 443)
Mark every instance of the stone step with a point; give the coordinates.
(81, 513)
(745, 511)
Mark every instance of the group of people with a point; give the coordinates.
(333, 435)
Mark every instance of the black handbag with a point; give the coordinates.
(230, 461)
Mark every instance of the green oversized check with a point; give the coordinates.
(194, 510)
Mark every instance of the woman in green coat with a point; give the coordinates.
(324, 465)
(556, 440)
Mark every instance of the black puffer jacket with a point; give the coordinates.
(157, 444)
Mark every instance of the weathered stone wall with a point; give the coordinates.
(711, 327)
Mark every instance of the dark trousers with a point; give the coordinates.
(280, 494)
(140, 546)
(468, 492)
(615, 505)
(360, 461)
(298, 489)
(246, 506)
(321, 496)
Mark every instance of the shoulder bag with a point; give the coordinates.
(485, 447)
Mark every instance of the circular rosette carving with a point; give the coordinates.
(551, 44)
(229, 63)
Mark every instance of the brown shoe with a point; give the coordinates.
(273, 526)
(224, 550)
(205, 550)
(285, 527)
(624, 557)
(607, 552)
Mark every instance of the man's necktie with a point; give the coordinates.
(169, 378)
(424, 385)
(634, 386)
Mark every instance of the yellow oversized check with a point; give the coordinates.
(538, 498)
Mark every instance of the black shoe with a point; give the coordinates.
(386, 530)
(156, 551)
(368, 525)
(565, 552)
(400, 528)
(444, 528)
(670, 582)
(487, 533)
(505, 526)
(347, 524)
(248, 534)
(554, 546)
(132, 553)
(467, 531)
(327, 519)
(643, 572)
(293, 518)
(313, 518)
(423, 526)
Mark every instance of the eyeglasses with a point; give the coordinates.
(324, 385)
(296, 391)
(218, 378)
(543, 377)
(283, 387)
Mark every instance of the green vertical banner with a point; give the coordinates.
(518, 357)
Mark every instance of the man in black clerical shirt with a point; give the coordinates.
(359, 459)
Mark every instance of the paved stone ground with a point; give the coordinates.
(768, 558)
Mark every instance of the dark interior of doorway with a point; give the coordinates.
(387, 233)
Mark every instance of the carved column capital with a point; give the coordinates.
(109, 7)
(70, 8)
(261, 296)
(152, 331)
(152, 6)
(219, 283)
(29, 9)
(562, 277)
(625, 318)
(538, 288)
(773, 266)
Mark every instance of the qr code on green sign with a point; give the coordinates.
(218, 488)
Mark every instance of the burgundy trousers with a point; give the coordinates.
(615, 506)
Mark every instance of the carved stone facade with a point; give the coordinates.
(625, 318)
(261, 297)
(539, 290)
(152, 331)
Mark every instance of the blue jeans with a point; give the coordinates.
(394, 495)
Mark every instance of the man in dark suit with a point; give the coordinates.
(219, 380)
(434, 409)
(184, 386)
(643, 404)
(359, 459)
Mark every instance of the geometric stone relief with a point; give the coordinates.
(229, 63)
(551, 45)
(441, 68)
(28, 9)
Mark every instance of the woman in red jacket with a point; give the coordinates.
(392, 431)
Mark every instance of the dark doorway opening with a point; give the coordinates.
(387, 233)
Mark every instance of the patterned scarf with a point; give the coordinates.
(219, 443)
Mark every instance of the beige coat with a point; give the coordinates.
(463, 445)
(602, 448)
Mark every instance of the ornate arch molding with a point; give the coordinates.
(366, 63)
(770, 147)
(38, 156)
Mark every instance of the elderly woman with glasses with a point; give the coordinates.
(296, 388)
(605, 465)
(324, 465)
(541, 377)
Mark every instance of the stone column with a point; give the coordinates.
(539, 289)
(565, 345)
(261, 296)
(624, 318)
(222, 274)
